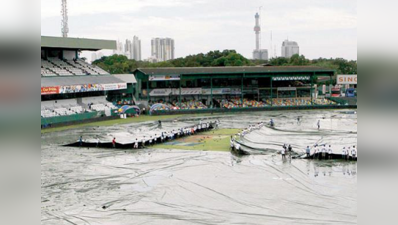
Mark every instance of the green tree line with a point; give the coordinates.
(119, 64)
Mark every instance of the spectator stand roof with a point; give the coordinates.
(77, 43)
(225, 72)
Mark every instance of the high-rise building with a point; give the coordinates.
(136, 49)
(96, 56)
(259, 53)
(162, 49)
(132, 49)
(290, 48)
(128, 49)
(119, 48)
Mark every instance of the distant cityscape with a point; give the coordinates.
(289, 48)
(163, 49)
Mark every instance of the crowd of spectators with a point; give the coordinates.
(299, 101)
(237, 103)
(174, 105)
(289, 101)
(233, 103)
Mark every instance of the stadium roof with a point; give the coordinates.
(128, 78)
(237, 70)
(79, 80)
(77, 43)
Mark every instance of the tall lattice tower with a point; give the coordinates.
(64, 23)
(259, 53)
(257, 30)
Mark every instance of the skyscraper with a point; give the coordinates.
(132, 49)
(119, 48)
(136, 49)
(162, 49)
(290, 48)
(259, 53)
(128, 49)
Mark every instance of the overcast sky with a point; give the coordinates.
(322, 28)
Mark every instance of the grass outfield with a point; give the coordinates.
(216, 140)
(143, 118)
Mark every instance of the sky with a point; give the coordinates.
(322, 28)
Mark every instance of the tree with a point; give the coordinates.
(119, 64)
(279, 61)
(298, 60)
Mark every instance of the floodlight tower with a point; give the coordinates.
(64, 23)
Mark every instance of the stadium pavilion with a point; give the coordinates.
(230, 87)
(71, 88)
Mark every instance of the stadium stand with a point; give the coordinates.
(186, 104)
(234, 103)
(72, 107)
(73, 90)
(237, 103)
(57, 67)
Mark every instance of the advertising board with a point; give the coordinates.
(347, 79)
(64, 89)
(164, 77)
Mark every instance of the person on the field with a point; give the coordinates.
(348, 152)
(308, 151)
(354, 152)
(114, 142)
(317, 151)
(81, 141)
(344, 153)
(136, 144)
(155, 138)
(271, 123)
(237, 146)
(324, 151)
(283, 153)
(319, 124)
(290, 149)
(98, 142)
(330, 151)
(232, 142)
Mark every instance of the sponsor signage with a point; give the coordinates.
(194, 91)
(49, 90)
(64, 89)
(287, 89)
(176, 91)
(188, 91)
(283, 78)
(108, 87)
(160, 92)
(164, 77)
(222, 91)
(347, 79)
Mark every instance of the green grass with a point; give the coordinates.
(113, 122)
(217, 140)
